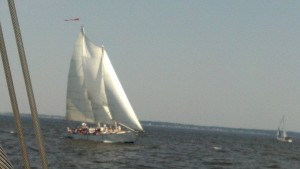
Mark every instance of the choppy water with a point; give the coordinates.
(160, 147)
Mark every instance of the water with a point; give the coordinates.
(160, 147)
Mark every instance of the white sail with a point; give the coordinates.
(118, 102)
(93, 78)
(78, 104)
(94, 91)
(281, 129)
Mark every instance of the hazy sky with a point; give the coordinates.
(217, 63)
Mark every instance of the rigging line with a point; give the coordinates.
(4, 162)
(34, 114)
(13, 100)
(126, 127)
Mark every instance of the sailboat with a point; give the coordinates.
(96, 97)
(281, 132)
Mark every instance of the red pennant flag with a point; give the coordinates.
(73, 19)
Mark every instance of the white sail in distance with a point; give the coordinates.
(281, 128)
(95, 93)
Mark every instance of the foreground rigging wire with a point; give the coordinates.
(13, 100)
(22, 56)
(4, 163)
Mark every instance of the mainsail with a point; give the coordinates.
(95, 93)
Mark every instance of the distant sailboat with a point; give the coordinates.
(95, 95)
(281, 132)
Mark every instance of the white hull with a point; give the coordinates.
(122, 137)
(285, 139)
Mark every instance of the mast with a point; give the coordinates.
(82, 29)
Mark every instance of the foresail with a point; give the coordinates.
(118, 102)
(94, 81)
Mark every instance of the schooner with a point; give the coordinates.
(95, 96)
